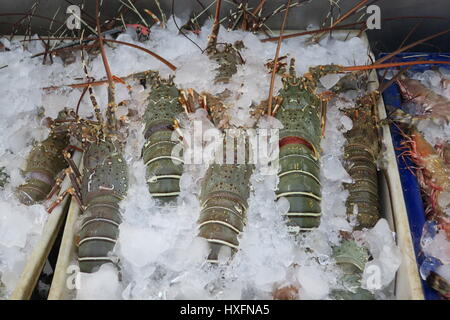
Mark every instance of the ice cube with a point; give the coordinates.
(329, 80)
(438, 247)
(313, 285)
(101, 285)
(444, 272)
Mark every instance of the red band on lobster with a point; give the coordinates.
(296, 140)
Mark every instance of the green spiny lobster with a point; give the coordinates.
(44, 163)
(101, 185)
(360, 161)
(104, 184)
(163, 168)
(225, 187)
(360, 157)
(224, 192)
(301, 112)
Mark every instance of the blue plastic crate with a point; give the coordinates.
(411, 189)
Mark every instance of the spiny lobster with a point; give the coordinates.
(163, 169)
(101, 185)
(301, 112)
(44, 163)
(225, 187)
(360, 161)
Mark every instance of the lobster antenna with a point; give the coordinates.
(179, 29)
(212, 41)
(402, 43)
(344, 26)
(170, 65)
(381, 60)
(97, 112)
(345, 16)
(132, 8)
(259, 7)
(272, 79)
(25, 15)
(112, 106)
(383, 86)
(380, 65)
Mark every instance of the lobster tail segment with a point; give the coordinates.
(224, 193)
(98, 234)
(104, 185)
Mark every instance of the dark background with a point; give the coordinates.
(388, 38)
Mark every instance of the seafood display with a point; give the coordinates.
(432, 105)
(291, 194)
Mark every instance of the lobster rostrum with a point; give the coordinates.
(164, 170)
(301, 112)
(44, 163)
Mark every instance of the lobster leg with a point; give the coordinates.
(57, 186)
(74, 174)
(72, 164)
(61, 197)
(75, 190)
